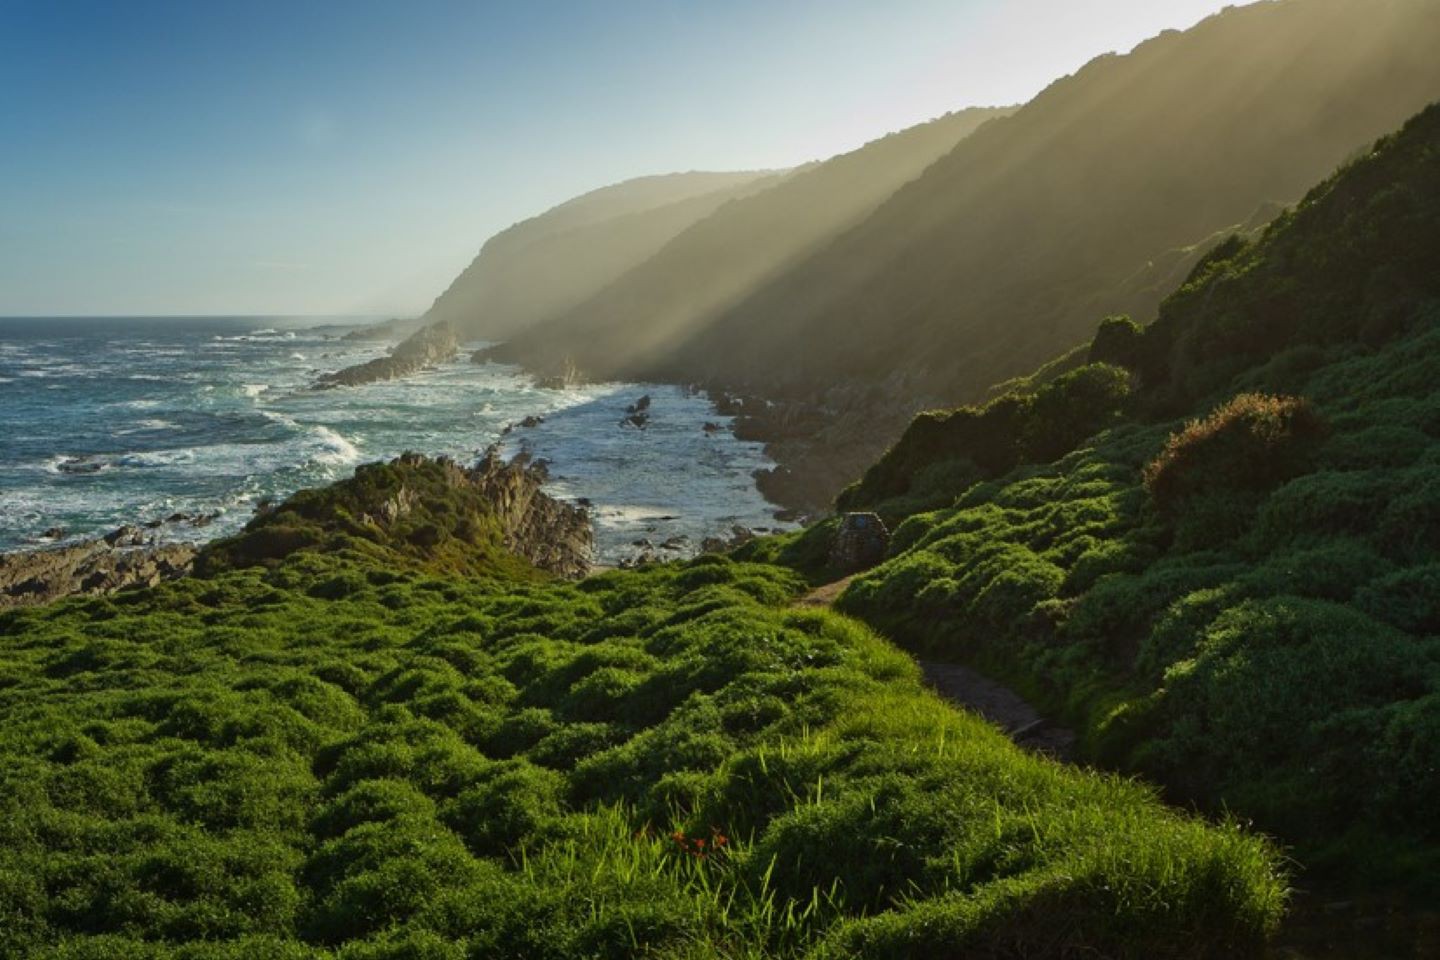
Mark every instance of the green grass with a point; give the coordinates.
(421, 765)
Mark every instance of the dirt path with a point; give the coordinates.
(975, 692)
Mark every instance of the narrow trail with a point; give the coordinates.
(976, 692)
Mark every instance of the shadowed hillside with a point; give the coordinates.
(1090, 200)
(546, 265)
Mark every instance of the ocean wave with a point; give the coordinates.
(279, 418)
(253, 390)
(147, 426)
(335, 450)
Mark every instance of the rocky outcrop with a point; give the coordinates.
(554, 536)
(432, 345)
(120, 560)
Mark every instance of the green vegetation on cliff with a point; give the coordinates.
(1006, 250)
(1233, 587)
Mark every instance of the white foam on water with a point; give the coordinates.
(253, 390)
(335, 450)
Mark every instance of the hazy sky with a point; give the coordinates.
(251, 157)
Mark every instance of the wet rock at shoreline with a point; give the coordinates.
(738, 537)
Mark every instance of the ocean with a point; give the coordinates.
(106, 422)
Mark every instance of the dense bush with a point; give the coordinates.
(1252, 443)
(973, 443)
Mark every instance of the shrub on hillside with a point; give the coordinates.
(1252, 443)
(1118, 342)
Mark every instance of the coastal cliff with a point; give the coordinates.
(432, 345)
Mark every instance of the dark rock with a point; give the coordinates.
(54, 533)
(532, 422)
(860, 543)
(80, 465)
(638, 420)
(639, 406)
(712, 427)
(738, 537)
(126, 536)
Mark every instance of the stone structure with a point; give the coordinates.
(860, 543)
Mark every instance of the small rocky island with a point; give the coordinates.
(433, 345)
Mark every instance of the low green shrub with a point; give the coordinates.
(1253, 443)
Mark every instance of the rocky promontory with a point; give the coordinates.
(553, 535)
(490, 518)
(123, 559)
(433, 345)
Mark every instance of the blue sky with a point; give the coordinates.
(305, 157)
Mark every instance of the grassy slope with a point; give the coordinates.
(1266, 643)
(351, 754)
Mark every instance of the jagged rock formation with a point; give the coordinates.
(430, 346)
(119, 560)
(553, 535)
(486, 520)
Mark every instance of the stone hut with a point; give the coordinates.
(860, 543)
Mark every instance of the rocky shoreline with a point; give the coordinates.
(124, 559)
(553, 535)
